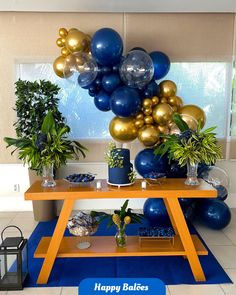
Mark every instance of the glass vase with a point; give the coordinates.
(192, 174)
(121, 238)
(48, 176)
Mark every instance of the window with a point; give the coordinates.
(206, 84)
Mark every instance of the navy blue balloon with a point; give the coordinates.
(214, 214)
(85, 80)
(161, 64)
(106, 46)
(146, 162)
(175, 171)
(125, 101)
(189, 212)
(155, 211)
(185, 202)
(153, 89)
(222, 192)
(102, 101)
(111, 82)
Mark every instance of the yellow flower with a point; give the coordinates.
(116, 219)
(127, 219)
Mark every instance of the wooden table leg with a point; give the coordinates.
(55, 242)
(171, 216)
(177, 214)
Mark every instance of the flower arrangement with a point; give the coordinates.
(112, 158)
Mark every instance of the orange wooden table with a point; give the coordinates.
(170, 190)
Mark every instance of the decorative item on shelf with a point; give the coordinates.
(154, 177)
(120, 219)
(148, 236)
(83, 179)
(120, 170)
(190, 148)
(48, 178)
(83, 225)
(13, 261)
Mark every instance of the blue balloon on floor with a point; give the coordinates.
(214, 213)
(189, 211)
(176, 171)
(155, 212)
(146, 162)
(222, 192)
(102, 101)
(107, 46)
(161, 64)
(125, 101)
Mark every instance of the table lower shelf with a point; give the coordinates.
(105, 246)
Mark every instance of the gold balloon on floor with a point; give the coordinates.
(162, 113)
(168, 88)
(196, 112)
(123, 129)
(59, 67)
(148, 135)
(76, 41)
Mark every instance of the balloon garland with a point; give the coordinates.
(126, 85)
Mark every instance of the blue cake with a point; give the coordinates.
(120, 175)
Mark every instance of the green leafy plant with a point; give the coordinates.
(112, 158)
(119, 218)
(193, 146)
(132, 176)
(49, 146)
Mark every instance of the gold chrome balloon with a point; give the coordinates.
(175, 101)
(196, 112)
(148, 120)
(65, 51)
(59, 68)
(139, 116)
(59, 42)
(148, 135)
(163, 129)
(123, 129)
(63, 32)
(147, 103)
(155, 100)
(147, 111)
(168, 88)
(76, 40)
(139, 123)
(162, 113)
(191, 121)
(163, 100)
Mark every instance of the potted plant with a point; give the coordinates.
(190, 147)
(120, 219)
(36, 134)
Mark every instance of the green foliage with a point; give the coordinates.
(122, 213)
(132, 176)
(112, 158)
(191, 146)
(50, 146)
(34, 100)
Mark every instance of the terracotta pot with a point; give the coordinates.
(43, 210)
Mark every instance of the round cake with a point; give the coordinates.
(120, 175)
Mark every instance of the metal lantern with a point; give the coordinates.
(13, 261)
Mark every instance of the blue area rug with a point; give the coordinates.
(70, 271)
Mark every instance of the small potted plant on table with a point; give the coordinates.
(190, 147)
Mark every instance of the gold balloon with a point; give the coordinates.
(148, 120)
(59, 67)
(63, 32)
(76, 40)
(162, 113)
(139, 116)
(163, 129)
(163, 100)
(59, 42)
(148, 135)
(191, 121)
(65, 51)
(147, 103)
(123, 129)
(139, 123)
(175, 101)
(175, 109)
(147, 111)
(155, 100)
(196, 112)
(168, 88)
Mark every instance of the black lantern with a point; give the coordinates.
(13, 261)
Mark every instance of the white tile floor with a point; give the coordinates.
(222, 244)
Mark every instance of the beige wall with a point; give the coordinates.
(31, 37)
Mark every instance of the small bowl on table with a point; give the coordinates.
(81, 179)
